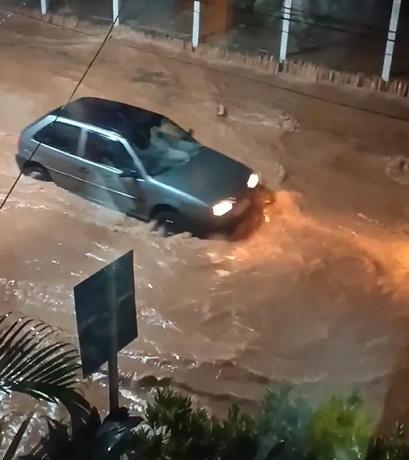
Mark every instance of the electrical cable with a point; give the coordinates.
(297, 11)
(89, 66)
(364, 29)
(293, 20)
(184, 62)
(13, 12)
(377, 32)
(238, 77)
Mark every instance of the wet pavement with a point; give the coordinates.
(318, 294)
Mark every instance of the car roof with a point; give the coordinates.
(106, 114)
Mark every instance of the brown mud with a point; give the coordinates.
(317, 295)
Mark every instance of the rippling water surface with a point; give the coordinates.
(317, 294)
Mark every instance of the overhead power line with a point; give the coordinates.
(89, 66)
(197, 64)
(338, 25)
(15, 10)
(186, 63)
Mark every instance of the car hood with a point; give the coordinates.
(209, 176)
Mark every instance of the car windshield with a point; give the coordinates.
(162, 145)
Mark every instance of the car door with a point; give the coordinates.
(105, 157)
(58, 152)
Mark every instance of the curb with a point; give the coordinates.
(266, 64)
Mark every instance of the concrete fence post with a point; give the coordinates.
(285, 29)
(390, 42)
(116, 8)
(44, 5)
(196, 24)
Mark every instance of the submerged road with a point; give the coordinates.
(319, 294)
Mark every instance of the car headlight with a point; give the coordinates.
(253, 180)
(220, 209)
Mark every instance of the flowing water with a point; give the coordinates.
(317, 294)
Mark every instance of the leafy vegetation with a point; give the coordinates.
(286, 427)
(33, 362)
(340, 428)
(93, 440)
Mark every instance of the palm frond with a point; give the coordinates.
(32, 364)
(15, 443)
(96, 439)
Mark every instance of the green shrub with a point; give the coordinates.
(286, 428)
(182, 431)
(172, 427)
(340, 428)
(283, 418)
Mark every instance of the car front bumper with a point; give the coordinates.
(248, 208)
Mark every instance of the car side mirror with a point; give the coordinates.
(191, 132)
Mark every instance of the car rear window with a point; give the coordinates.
(61, 136)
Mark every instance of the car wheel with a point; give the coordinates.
(168, 223)
(37, 173)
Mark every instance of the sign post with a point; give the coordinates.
(113, 373)
(106, 319)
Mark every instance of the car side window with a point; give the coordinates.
(106, 151)
(61, 136)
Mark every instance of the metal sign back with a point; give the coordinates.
(106, 299)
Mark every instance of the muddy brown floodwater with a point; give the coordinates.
(317, 295)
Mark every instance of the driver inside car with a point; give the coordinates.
(166, 139)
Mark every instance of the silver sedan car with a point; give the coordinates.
(138, 162)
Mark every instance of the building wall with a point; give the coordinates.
(215, 19)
